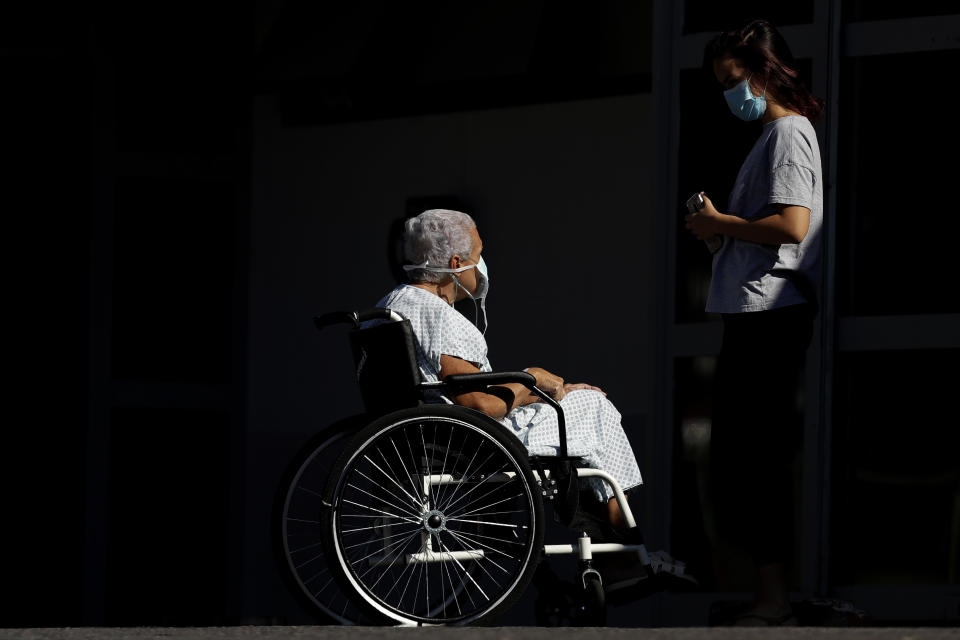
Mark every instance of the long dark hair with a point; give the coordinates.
(762, 50)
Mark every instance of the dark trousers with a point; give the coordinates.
(757, 428)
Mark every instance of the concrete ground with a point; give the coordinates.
(479, 633)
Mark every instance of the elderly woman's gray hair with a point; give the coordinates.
(433, 237)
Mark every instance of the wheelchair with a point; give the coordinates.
(424, 513)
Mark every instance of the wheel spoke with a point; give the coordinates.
(443, 589)
(389, 504)
(392, 494)
(474, 534)
(416, 596)
(316, 575)
(399, 543)
(309, 546)
(306, 562)
(453, 472)
(396, 535)
(486, 506)
(324, 587)
(310, 491)
(465, 475)
(451, 504)
(410, 577)
(490, 577)
(461, 537)
(388, 476)
(427, 458)
(453, 588)
(426, 573)
(492, 513)
(416, 489)
(386, 513)
(370, 528)
(489, 524)
(467, 573)
(406, 439)
(466, 589)
(400, 577)
(409, 514)
(441, 489)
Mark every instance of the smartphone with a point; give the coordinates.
(695, 203)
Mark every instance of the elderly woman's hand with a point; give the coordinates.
(551, 383)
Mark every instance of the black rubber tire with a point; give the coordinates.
(482, 451)
(594, 603)
(297, 541)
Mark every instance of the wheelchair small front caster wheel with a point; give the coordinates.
(593, 608)
(561, 603)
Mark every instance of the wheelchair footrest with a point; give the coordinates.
(662, 562)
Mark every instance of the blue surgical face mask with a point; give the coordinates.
(743, 103)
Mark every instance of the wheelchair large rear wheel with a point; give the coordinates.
(455, 512)
(297, 525)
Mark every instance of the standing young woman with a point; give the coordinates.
(765, 274)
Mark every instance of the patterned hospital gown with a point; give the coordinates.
(593, 423)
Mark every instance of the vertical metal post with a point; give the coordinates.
(667, 18)
(821, 580)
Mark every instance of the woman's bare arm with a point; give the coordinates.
(787, 225)
(499, 400)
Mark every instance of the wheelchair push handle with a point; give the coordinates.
(354, 317)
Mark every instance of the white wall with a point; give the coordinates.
(563, 194)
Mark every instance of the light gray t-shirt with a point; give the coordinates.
(782, 168)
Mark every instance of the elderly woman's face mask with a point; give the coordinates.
(483, 282)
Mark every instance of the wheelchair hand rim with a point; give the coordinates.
(385, 608)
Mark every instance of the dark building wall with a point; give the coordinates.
(153, 396)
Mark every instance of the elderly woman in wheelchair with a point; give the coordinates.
(445, 250)
(433, 512)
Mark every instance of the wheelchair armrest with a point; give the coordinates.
(475, 381)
